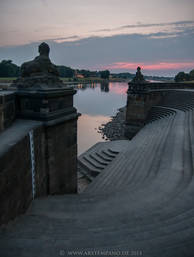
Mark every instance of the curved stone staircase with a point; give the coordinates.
(142, 202)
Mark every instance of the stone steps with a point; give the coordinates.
(117, 175)
(97, 158)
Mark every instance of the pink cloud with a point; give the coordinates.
(153, 66)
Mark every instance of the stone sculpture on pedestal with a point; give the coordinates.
(42, 96)
(139, 78)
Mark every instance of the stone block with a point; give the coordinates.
(7, 109)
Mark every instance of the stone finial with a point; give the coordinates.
(138, 77)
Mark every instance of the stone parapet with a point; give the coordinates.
(7, 109)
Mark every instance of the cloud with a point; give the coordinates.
(65, 39)
(164, 24)
(170, 29)
(156, 52)
(149, 25)
(150, 66)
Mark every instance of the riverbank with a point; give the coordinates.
(74, 81)
(114, 129)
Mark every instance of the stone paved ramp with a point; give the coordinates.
(143, 201)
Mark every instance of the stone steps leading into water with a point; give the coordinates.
(97, 158)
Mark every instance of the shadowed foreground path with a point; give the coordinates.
(142, 201)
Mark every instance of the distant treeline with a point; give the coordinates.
(127, 75)
(9, 69)
(182, 76)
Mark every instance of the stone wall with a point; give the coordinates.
(140, 99)
(55, 162)
(62, 157)
(7, 109)
(138, 107)
(15, 180)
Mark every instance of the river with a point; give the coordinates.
(97, 103)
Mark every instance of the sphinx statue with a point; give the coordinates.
(40, 72)
(40, 65)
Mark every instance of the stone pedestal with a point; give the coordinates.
(54, 107)
(45, 104)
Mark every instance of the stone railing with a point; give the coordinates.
(146, 86)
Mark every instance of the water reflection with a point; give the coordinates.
(97, 103)
(104, 86)
(88, 131)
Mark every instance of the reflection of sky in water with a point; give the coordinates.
(96, 103)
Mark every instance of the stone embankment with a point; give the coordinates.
(141, 204)
(114, 129)
(111, 131)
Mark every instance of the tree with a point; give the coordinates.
(191, 75)
(105, 74)
(65, 72)
(181, 76)
(9, 69)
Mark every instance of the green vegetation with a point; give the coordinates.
(65, 72)
(182, 76)
(105, 74)
(9, 69)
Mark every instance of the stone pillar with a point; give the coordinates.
(139, 102)
(61, 139)
(136, 113)
(54, 107)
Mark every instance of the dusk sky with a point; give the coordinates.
(98, 34)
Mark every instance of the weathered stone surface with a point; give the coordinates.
(46, 104)
(62, 157)
(55, 162)
(138, 107)
(7, 109)
(15, 171)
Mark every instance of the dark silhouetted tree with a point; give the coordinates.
(65, 72)
(191, 75)
(105, 74)
(9, 69)
(182, 76)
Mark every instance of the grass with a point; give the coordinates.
(7, 80)
(69, 80)
(188, 82)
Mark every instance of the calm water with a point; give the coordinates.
(97, 103)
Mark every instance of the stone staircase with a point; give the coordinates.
(141, 203)
(98, 157)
